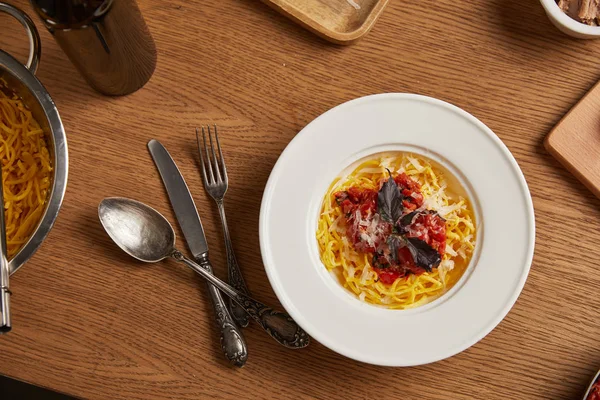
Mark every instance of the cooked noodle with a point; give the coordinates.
(354, 269)
(26, 169)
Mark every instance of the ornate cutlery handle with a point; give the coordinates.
(280, 326)
(234, 275)
(232, 341)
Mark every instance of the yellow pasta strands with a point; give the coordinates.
(26, 169)
(354, 269)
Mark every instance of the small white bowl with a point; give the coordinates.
(567, 24)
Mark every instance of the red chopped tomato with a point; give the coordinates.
(431, 228)
(595, 392)
(405, 260)
(369, 233)
(405, 267)
(411, 190)
(387, 276)
(355, 198)
(360, 206)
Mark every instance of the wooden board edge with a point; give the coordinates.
(342, 38)
(554, 152)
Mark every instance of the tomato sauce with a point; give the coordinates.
(431, 228)
(595, 392)
(369, 232)
(411, 190)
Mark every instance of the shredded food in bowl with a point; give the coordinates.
(347, 241)
(26, 169)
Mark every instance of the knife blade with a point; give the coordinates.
(181, 199)
(232, 340)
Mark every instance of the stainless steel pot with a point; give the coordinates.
(21, 80)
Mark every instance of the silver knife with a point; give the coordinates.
(232, 340)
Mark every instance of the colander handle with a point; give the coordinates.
(35, 47)
(33, 61)
(5, 323)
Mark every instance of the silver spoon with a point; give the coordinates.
(145, 234)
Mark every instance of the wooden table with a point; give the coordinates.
(90, 322)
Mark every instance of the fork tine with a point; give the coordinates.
(212, 177)
(222, 163)
(214, 160)
(204, 177)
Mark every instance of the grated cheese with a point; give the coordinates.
(337, 251)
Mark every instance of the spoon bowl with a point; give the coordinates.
(139, 230)
(145, 234)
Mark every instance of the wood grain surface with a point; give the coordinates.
(90, 322)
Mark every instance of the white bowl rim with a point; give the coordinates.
(516, 289)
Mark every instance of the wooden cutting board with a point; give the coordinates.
(339, 21)
(575, 140)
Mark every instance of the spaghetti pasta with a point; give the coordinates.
(355, 269)
(26, 169)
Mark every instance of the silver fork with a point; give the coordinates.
(214, 175)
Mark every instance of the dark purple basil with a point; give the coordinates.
(423, 254)
(389, 201)
(408, 219)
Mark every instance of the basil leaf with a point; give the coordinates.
(408, 218)
(423, 254)
(389, 201)
(395, 242)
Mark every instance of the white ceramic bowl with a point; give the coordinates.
(567, 24)
(451, 137)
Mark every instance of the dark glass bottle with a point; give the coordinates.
(107, 41)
